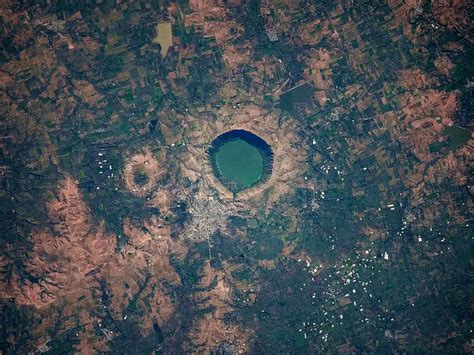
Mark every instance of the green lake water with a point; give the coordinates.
(240, 162)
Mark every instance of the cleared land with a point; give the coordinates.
(164, 37)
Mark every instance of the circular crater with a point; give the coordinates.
(142, 171)
(240, 160)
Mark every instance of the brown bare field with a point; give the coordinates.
(211, 330)
(444, 66)
(318, 68)
(72, 259)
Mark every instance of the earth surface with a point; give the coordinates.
(117, 237)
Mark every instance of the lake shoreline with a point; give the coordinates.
(253, 140)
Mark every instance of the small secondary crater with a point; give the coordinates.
(240, 160)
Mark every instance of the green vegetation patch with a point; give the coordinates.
(457, 136)
(140, 178)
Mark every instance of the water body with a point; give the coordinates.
(298, 102)
(240, 159)
(457, 136)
